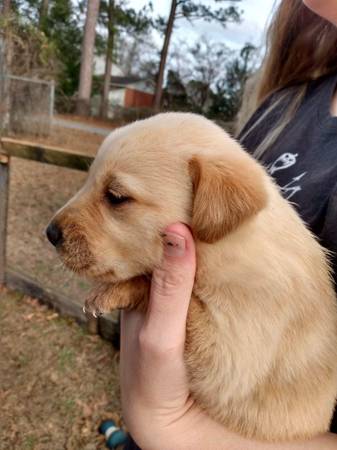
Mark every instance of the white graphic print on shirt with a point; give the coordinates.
(284, 162)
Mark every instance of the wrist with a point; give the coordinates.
(187, 431)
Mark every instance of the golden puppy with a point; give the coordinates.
(261, 349)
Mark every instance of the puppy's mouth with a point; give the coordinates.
(73, 248)
(82, 262)
(78, 262)
(76, 254)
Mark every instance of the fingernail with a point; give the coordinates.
(174, 245)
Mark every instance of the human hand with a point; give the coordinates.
(158, 410)
(155, 396)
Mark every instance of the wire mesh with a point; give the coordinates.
(26, 105)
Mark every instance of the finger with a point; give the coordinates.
(131, 323)
(171, 289)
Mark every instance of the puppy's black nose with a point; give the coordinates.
(54, 234)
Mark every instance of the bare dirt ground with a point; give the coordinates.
(94, 121)
(37, 191)
(57, 382)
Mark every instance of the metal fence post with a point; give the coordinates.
(4, 191)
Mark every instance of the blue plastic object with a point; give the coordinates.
(114, 436)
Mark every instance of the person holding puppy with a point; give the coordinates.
(293, 133)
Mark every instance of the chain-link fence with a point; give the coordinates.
(26, 105)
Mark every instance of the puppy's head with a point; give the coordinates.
(170, 168)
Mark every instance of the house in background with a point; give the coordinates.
(131, 92)
(125, 91)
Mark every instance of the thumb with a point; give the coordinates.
(171, 287)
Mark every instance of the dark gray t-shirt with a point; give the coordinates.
(303, 160)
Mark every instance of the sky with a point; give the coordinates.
(256, 14)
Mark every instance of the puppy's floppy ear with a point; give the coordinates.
(226, 193)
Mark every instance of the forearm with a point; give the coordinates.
(212, 436)
(202, 432)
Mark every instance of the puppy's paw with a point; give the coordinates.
(127, 294)
(99, 301)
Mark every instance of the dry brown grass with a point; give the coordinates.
(57, 383)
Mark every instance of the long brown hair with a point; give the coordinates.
(301, 46)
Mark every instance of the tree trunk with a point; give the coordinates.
(108, 61)
(6, 7)
(87, 56)
(43, 12)
(163, 56)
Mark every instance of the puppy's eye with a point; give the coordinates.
(115, 199)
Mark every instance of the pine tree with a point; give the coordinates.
(191, 11)
(87, 56)
(117, 17)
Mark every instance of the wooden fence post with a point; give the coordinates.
(4, 191)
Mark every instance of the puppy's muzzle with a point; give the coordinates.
(54, 234)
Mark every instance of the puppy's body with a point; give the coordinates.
(268, 345)
(261, 347)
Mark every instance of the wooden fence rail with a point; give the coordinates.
(12, 277)
(45, 154)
